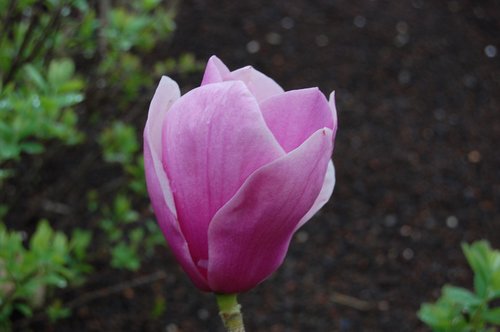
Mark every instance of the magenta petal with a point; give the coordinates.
(168, 222)
(261, 86)
(323, 197)
(295, 115)
(249, 236)
(215, 71)
(214, 137)
(157, 182)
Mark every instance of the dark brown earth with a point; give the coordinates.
(416, 156)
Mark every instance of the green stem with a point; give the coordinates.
(229, 311)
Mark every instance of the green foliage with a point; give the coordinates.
(459, 309)
(38, 84)
(50, 50)
(137, 182)
(37, 90)
(28, 275)
(126, 34)
(186, 64)
(119, 143)
(39, 107)
(130, 238)
(159, 307)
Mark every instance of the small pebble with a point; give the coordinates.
(408, 254)
(287, 23)
(490, 51)
(452, 222)
(273, 38)
(469, 81)
(405, 230)
(359, 21)
(171, 328)
(390, 220)
(439, 114)
(302, 236)
(402, 27)
(383, 306)
(322, 40)
(203, 314)
(474, 156)
(404, 77)
(253, 46)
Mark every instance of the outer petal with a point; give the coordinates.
(261, 86)
(215, 71)
(214, 137)
(168, 222)
(295, 115)
(329, 183)
(249, 236)
(323, 197)
(331, 102)
(157, 182)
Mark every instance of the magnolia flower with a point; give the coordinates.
(233, 169)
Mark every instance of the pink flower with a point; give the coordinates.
(234, 168)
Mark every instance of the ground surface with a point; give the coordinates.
(416, 157)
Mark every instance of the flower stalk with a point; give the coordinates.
(230, 313)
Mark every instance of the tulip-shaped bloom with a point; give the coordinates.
(233, 169)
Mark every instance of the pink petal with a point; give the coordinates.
(215, 71)
(167, 220)
(295, 115)
(323, 197)
(157, 182)
(214, 137)
(249, 236)
(331, 102)
(166, 94)
(261, 86)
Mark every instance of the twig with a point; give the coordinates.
(17, 62)
(104, 7)
(103, 292)
(50, 28)
(352, 302)
(6, 25)
(99, 293)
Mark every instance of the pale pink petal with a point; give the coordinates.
(295, 115)
(167, 221)
(214, 137)
(331, 102)
(324, 195)
(157, 182)
(215, 71)
(166, 94)
(249, 236)
(261, 86)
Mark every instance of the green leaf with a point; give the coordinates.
(32, 147)
(492, 316)
(57, 311)
(35, 77)
(80, 240)
(461, 296)
(24, 309)
(124, 256)
(477, 256)
(60, 71)
(434, 315)
(41, 240)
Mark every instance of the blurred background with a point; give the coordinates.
(417, 87)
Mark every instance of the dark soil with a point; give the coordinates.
(416, 157)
